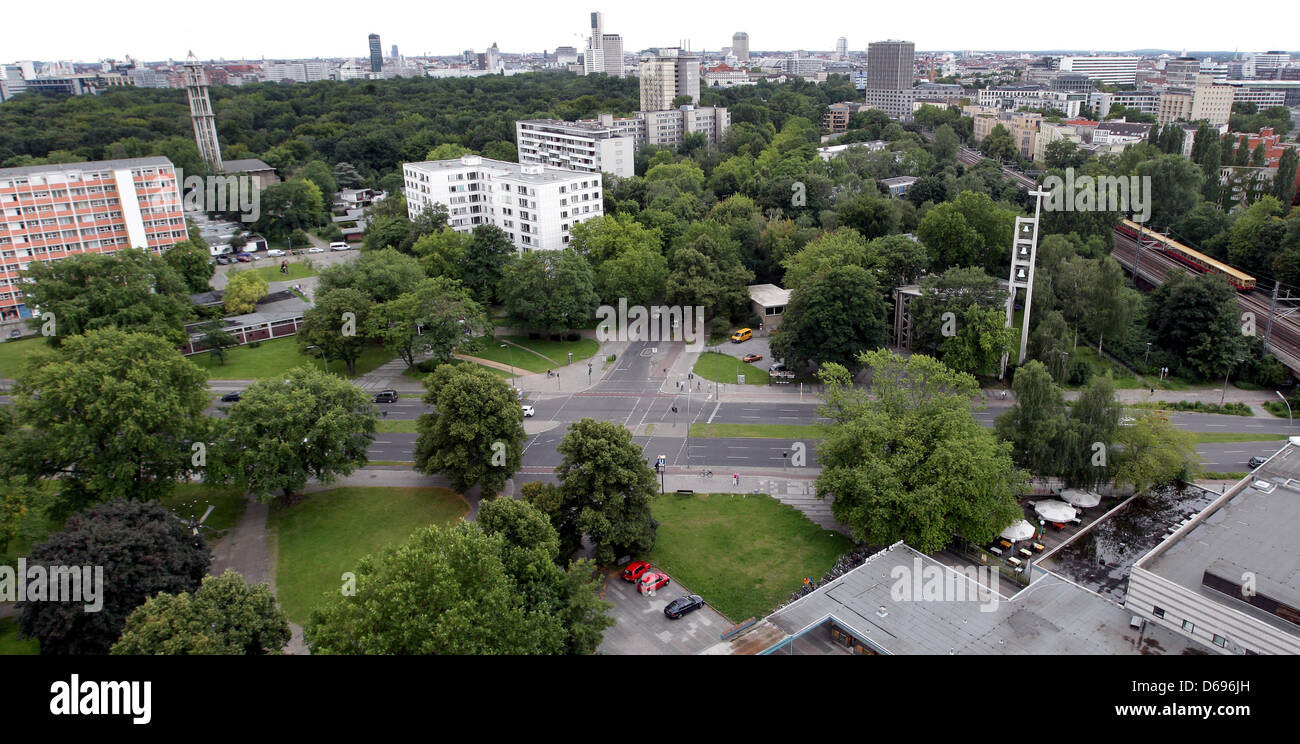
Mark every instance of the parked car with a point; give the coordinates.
(653, 580)
(683, 605)
(1127, 421)
(751, 357)
(230, 398)
(1255, 462)
(744, 334)
(528, 411)
(339, 246)
(635, 569)
(777, 367)
(386, 396)
(275, 252)
(223, 261)
(243, 258)
(315, 249)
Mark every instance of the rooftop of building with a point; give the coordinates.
(94, 165)
(1248, 530)
(900, 181)
(1125, 127)
(1052, 616)
(769, 295)
(246, 165)
(537, 174)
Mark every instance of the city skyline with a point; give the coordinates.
(157, 31)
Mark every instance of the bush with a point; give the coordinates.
(572, 337)
(253, 344)
(534, 336)
(720, 326)
(1080, 372)
(554, 337)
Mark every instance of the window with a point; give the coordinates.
(1158, 611)
(1189, 626)
(1220, 641)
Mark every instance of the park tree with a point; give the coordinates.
(549, 290)
(489, 251)
(842, 247)
(1255, 235)
(243, 291)
(382, 275)
(607, 488)
(909, 462)
(1152, 452)
(979, 341)
(1089, 437)
(1175, 185)
(142, 549)
(1035, 425)
(224, 616)
(431, 320)
(1000, 145)
(1064, 154)
(216, 339)
(832, 317)
(319, 173)
(475, 434)
(954, 291)
(1285, 179)
(112, 415)
(1050, 343)
(1111, 302)
(446, 590)
(284, 431)
(193, 263)
(288, 206)
(1197, 317)
(638, 274)
(336, 325)
(442, 253)
(132, 290)
(870, 213)
(696, 280)
(971, 230)
(945, 143)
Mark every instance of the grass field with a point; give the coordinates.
(744, 555)
(297, 270)
(1215, 475)
(416, 374)
(759, 431)
(723, 368)
(1210, 437)
(11, 644)
(275, 357)
(395, 426)
(325, 534)
(15, 354)
(555, 351)
(194, 498)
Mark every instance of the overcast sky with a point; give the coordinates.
(251, 29)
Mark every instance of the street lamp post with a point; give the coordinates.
(513, 377)
(1147, 357)
(588, 373)
(1288, 408)
(1224, 396)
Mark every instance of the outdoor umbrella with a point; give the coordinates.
(1020, 530)
(1081, 499)
(1054, 511)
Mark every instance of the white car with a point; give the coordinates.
(339, 246)
(528, 411)
(275, 252)
(315, 249)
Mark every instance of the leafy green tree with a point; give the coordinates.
(336, 325)
(1050, 343)
(216, 339)
(832, 317)
(111, 416)
(1000, 145)
(131, 290)
(299, 239)
(1198, 316)
(842, 247)
(488, 253)
(1090, 434)
(288, 206)
(900, 259)
(346, 176)
(550, 290)
(909, 462)
(980, 340)
(442, 253)
(225, 616)
(971, 230)
(444, 591)
(870, 213)
(141, 548)
(610, 236)
(1035, 425)
(1111, 303)
(1175, 183)
(1152, 452)
(319, 173)
(448, 151)
(192, 263)
(1284, 181)
(308, 424)
(945, 143)
(1064, 154)
(698, 280)
(430, 320)
(607, 488)
(954, 291)
(243, 291)
(475, 434)
(638, 274)
(382, 275)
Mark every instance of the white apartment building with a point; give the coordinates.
(534, 204)
(666, 75)
(1027, 96)
(587, 146)
(1111, 70)
(1206, 101)
(667, 128)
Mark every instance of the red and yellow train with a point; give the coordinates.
(1185, 255)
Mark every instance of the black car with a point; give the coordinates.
(230, 398)
(1257, 461)
(683, 605)
(386, 396)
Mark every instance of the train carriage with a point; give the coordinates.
(1185, 255)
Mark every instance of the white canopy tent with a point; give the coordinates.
(1055, 511)
(1019, 530)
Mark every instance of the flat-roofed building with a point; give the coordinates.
(1111, 70)
(589, 146)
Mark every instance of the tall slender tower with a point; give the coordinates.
(205, 122)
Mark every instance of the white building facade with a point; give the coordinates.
(587, 146)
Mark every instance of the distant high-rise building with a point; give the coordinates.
(1182, 72)
(493, 59)
(604, 52)
(740, 46)
(889, 65)
(566, 55)
(665, 76)
(376, 54)
(205, 122)
(842, 49)
(1109, 70)
(394, 51)
(1271, 60)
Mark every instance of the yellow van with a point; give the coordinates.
(744, 334)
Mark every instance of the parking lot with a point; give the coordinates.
(756, 345)
(644, 629)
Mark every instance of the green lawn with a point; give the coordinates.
(297, 270)
(723, 368)
(274, 357)
(557, 351)
(1215, 475)
(15, 354)
(11, 644)
(321, 537)
(1210, 437)
(743, 554)
(395, 426)
(194, 498)
(759, 431)
(416, 374)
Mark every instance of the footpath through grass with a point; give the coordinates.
(556, 353)
(743, 554)
(723, 368)
(271, 358)
(323, 536)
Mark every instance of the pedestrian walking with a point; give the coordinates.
(735, 479)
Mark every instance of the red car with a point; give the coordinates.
(752, 358)
(635, 569)
(653, 580)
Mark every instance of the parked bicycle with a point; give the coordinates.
(706, 473)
